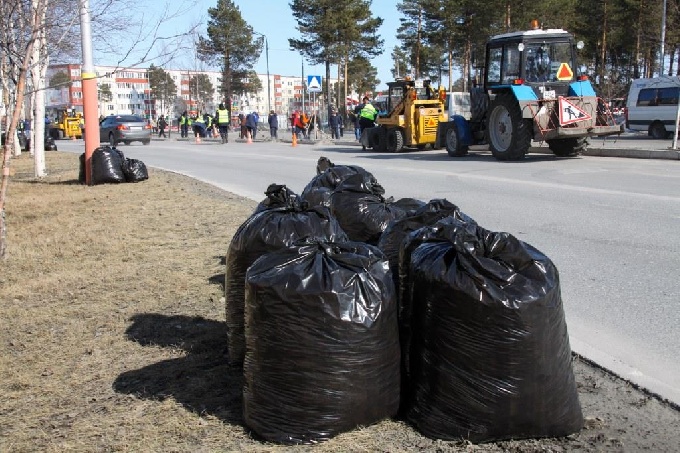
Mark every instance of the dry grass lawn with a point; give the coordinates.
(113, 335)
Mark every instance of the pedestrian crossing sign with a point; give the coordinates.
(570, 113)
(314, 83)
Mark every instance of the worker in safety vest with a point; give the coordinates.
(222, 120)
(184, 124)
(198, 126)
(367, 116)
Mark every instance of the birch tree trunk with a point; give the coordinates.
(33, 27)
(38, 74)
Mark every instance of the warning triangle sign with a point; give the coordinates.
(565, 72)
(431, 122)
(570, 113)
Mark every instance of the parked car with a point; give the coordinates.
(126, 129)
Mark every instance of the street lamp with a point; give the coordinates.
(266, 53)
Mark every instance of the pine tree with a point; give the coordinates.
(335, 32)
(231, 44)
(163, 87)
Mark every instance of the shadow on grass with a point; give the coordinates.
(203, 382)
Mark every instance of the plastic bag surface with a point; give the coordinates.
(135, 170)
(390, 243)
(107, 165)
(361, 209)
(322, 342)
(278, 224)
(329, 176)
(490, 354)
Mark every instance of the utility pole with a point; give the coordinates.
(89, 81)
(663, 38)
(266, 52)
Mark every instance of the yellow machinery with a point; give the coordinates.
(411, 116)
(67, 124)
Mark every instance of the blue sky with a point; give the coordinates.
(274, 19)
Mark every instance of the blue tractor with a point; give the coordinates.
(530, 92)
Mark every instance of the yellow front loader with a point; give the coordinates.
(410, 119)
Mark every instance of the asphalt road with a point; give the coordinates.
(611, 225)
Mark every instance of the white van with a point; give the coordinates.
(652, 106)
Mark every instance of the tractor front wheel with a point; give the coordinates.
(508, 134)
(395, 140)
(453, 145)
(568, 147)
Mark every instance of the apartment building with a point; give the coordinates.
(127, 91)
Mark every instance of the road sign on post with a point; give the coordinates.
(314, 83)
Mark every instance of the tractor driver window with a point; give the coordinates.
(493, 71)
(537, 63)
(511, 64)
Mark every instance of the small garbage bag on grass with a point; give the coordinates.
(277, 224)
(490, 356)
(323, 347)
(107, 165)
(361, 209)
(135, 170)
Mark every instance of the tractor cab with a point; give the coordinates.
(541, 59)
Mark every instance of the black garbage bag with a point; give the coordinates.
(81, 171)
(135, 170)
(278, 196)
(490, 355)
(107, 165)
(361, 209)
(423, 215)
(323, 347)
(287, 221)
(390, 243)
(410, 205)
(328, 178)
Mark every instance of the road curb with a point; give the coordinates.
(668, 154)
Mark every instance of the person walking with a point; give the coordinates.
(256, 121)
(334, 124)
(242, 123)
(273, 121)
(250, 125)
(162, 124)
(184, 125)
(354, 120)
(222, 121)
(298, 125)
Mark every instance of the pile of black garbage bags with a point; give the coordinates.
(345, 308)
(110, 166)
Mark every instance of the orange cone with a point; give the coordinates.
(249, 140)
(198, 139)
(294, 139)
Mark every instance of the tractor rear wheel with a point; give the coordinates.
(508, 134)
(568, 147)
(395, 140)
(379, 139)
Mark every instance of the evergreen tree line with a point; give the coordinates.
(622, 37)
(445, 39)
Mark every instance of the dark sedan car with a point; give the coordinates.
(116, 129)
